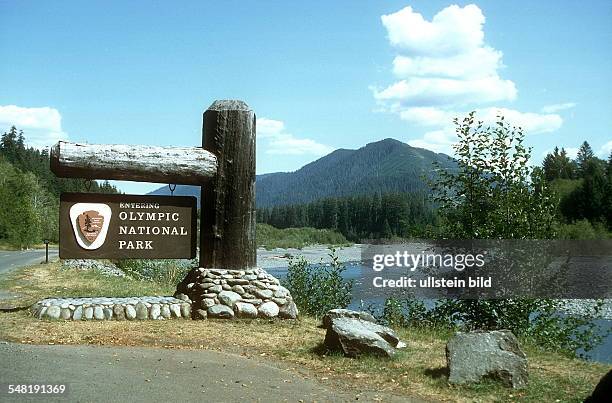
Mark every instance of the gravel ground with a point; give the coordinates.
(267, 259)
(585, 307)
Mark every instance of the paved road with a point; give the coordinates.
(10, 260)
(111, 374)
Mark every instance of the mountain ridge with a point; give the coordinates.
(383, 166)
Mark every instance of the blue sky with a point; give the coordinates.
(320, 75)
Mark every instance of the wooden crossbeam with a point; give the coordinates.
(178, 165)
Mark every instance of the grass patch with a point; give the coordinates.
(419, 370)
(270, 237)
(37, 282)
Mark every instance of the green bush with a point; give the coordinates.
(166, 271)
(318, 288)
(583, 229)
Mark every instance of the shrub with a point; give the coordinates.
(166, 271)
(317, 288)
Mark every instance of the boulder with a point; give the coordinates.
(268, 310)
(288, 311)
(119, 312)
(53, 312)
(141, 311)
(354, 337)
(494, 354)
(220, 311)
(345, 313)
(245, 310)
(229, 298)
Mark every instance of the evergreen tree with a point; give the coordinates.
(585, 154)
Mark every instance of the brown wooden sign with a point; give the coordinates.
(111, 226)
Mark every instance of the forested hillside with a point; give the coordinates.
(358, 217)
(584, 190)
(29, 192)
(386, 166)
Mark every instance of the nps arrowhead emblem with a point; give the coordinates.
(90, 223)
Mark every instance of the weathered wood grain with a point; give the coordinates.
(180, 165)
(227, 231)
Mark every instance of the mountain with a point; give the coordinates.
(381, 167)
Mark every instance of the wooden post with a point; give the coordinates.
(227, 229)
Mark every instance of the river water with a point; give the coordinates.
(354, 271)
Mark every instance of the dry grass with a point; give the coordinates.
(417, 371)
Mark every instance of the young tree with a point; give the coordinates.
(493, 194)
(585, 154)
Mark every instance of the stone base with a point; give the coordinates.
(226, 294)
(103, 308)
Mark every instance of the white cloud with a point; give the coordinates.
(278, 141)
(605, 150)
(532, 123)
(452, 31)
(444, 69)
(42, 127)
(441, 139)
(558, 107)
(479, 62)
(442, 62)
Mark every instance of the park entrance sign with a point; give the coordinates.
(224, 168)
(111, 226)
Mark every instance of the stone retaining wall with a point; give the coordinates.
(131, 308)
(226, 294)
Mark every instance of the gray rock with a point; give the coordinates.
(130, 312)
(238, 289)
(119, 312)
(253, 301)
(250, 277)
(215, 288)
(268, 310)
(288, 311)
(141, 311)
(263, 294)
(259, 284)
(98, 313)
(88, 312)
(237, 281)
(186, 310)
(108, 313)
(208, 302)
(209, 295)
(346, 313)
(65, 313)
(229, 298)
(53, 312)
(355, 337)
(176, 310)
(78, 313)
(201, 314)
(226, 287)
(494, 354)
(245, 310)
(155, 311)
(279, 301)
(220, 311)
(165, 311)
